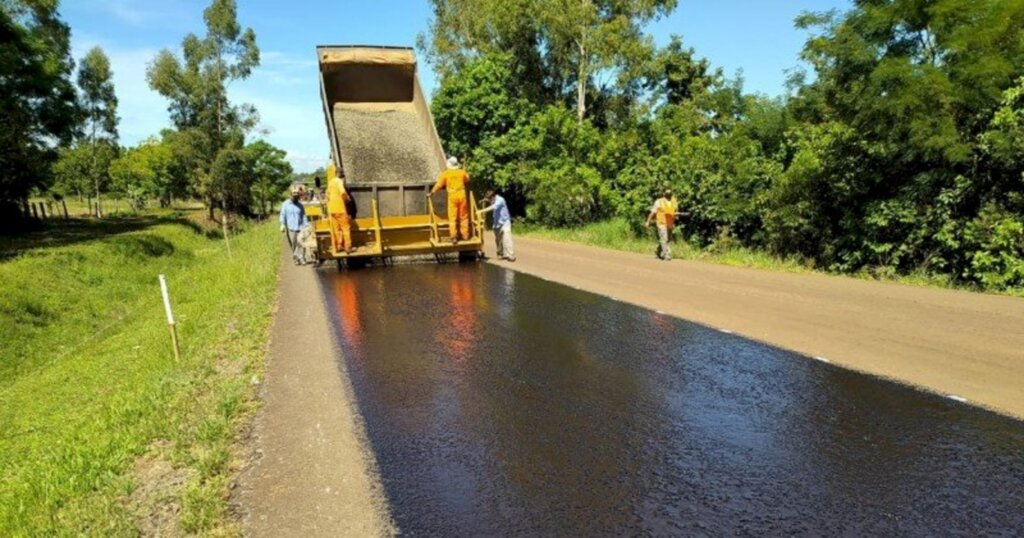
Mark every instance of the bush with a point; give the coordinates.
(994, 242)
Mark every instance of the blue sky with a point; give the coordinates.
(755, 36)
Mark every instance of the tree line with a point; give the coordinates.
(61, 137)
(898, 148)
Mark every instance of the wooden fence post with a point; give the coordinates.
(170, 318)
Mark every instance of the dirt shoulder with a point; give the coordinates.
(313, 475)
(951, 342)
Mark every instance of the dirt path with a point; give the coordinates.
(951, 342)
(314, 476)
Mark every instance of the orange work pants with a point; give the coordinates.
(458, 215)
(341, 224)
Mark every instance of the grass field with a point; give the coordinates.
(616, 234)
(101, 431)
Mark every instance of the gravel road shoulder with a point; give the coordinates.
(313, 475)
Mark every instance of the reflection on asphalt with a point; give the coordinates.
(498, 403)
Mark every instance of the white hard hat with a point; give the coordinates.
(453, 162)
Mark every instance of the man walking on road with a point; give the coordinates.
(664, 212)
(293, 219)
(502, 225)
(455, 179)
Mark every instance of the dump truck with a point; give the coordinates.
(385, 144)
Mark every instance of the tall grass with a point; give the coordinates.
(89, 388)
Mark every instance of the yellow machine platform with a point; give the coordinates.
(385, 237)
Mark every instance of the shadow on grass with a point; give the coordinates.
(58, 233)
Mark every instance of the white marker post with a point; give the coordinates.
(170, 317)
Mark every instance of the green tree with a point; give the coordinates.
(903, 152)
(479, 103)
(677, 75)
(588, 37)
(78, 165)
(190, 151)
(463, 31)
(99, 106)
(230, 181)
(271, 174)
(548, 164)
(37, 98)
(144, 172)
(196, 85)
(560, 46)
(903, 93)
(1004, 139)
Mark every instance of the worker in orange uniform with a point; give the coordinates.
(664, 212)
(337, 207)
(455, 180)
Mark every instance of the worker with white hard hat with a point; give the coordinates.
(455, 179)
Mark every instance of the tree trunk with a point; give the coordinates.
(95, 179)
(224, 225)
(581, 81)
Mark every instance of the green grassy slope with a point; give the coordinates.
(91, 400)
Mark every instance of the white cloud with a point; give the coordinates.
(285, 60)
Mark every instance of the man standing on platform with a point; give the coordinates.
(455, 180)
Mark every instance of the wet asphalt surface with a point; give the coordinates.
(497, 403)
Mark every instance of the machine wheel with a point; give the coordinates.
(356, 263)
(468, 256)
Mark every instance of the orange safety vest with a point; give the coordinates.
(454, 179)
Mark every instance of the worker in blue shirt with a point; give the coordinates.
(293, 219)
(502, 225)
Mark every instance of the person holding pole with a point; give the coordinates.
(502, 225)
(293, 219)
(664, 213)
